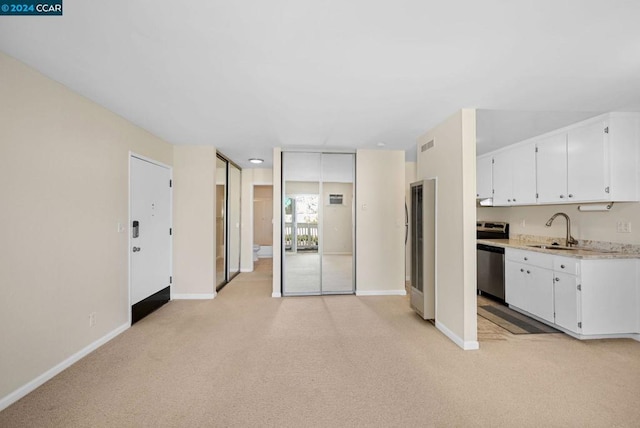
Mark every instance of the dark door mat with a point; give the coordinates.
(513, 321)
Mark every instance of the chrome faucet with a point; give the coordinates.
(570, 239)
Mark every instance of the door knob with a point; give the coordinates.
(136, 249)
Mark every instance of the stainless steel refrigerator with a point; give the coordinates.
(423, 247)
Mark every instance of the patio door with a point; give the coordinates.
(318, 226)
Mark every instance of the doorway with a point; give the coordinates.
(150, 236)
(263, 221)
(318, 223)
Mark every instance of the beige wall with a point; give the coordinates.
(452, 161)
(596, 226)
(64, 183)
(262, 212)
(380, 183)
(194, 221)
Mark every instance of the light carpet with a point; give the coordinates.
(246, 359)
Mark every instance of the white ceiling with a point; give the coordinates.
(246, 76)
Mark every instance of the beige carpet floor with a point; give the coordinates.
(246, 359)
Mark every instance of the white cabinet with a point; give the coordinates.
(565, 292)
(484, 177)
(529, 282)
(587, 163)
(588, 298)
(595, 160)
(514, 172)
(572, 166)
(551, 170)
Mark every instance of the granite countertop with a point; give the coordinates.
(577, 252)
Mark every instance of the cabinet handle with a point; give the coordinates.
(561, 196)
(521, 270)
(508, 200)
(514, 199)
(561, 266)
(556, 279)
(528, 271)
(570, 195)
(525, 259)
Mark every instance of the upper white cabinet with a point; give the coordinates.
(573, 165)
(514, 173)
(551, 171)
(484, 174)
(595, 160)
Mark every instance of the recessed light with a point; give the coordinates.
(256, 160)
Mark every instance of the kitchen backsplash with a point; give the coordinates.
(585, 226)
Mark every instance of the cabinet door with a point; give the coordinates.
(523, 161)
(502, 179)
(515, 284)
(565, 293)
(484, 184)
(587, 163)
(551, 168)
(540, 292)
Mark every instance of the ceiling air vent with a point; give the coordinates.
(426, 146)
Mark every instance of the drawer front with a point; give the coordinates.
(568, 265)
(530, 257)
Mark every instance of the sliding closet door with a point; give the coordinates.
(221, 219)
(337, 223)
(301, 208)
(233, 224)
(318, 194)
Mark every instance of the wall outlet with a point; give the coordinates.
(623, 227)
(92, 319)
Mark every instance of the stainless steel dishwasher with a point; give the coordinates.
(491, 258)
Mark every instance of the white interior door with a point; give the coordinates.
(150, 247)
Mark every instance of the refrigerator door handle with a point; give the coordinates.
(406, 223)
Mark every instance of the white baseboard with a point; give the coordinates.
(636, 337)
(469, 345)
(245, 270)
(276, 294)
(35, 383)
(201, 296)
(381, 292)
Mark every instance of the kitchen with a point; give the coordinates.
(573, 266)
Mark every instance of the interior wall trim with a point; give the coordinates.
(198, 296)
(49, 374)
(469, 345)
(381, 292)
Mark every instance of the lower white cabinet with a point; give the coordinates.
(588, 298)
(565, 296)
(530, 288)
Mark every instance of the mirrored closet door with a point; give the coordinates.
(318, 223)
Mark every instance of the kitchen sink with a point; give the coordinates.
(552, 247)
